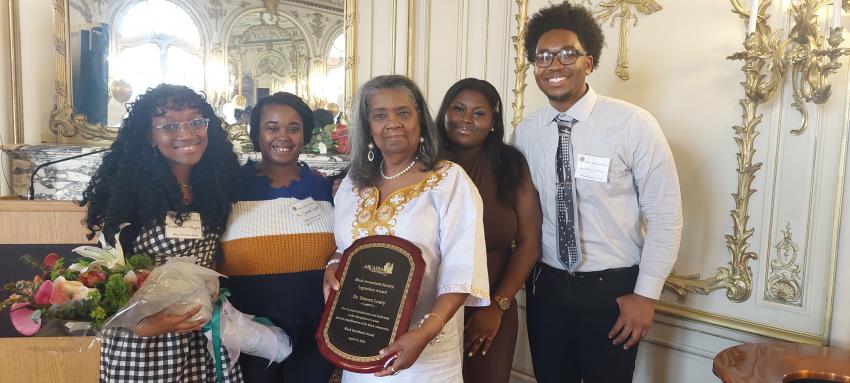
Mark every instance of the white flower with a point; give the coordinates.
(105, 256)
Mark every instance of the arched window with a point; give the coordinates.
(335, 82)
(158, 42)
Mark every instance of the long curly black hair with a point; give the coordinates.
(505, 160)
(570, 17)
(135, 184)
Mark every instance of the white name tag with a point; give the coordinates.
(592, 168)
(307, 210)
(191, 228)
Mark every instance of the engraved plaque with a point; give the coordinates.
(379, 281)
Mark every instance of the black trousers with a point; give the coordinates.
(568, 319)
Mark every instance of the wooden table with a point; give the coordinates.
(782, 363)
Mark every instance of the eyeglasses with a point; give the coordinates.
(174, 129)
(567, 56)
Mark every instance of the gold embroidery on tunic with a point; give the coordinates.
(374, 219)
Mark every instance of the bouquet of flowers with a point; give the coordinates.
(181, 285)
(109, 291)
(330, 139)
(89, 290)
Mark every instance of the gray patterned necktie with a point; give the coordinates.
(569, 250)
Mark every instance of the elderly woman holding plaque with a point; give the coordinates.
(398, 186)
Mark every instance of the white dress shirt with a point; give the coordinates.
(633, 218)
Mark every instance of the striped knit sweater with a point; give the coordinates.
(275, 248)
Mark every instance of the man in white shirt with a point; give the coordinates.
(612, 216)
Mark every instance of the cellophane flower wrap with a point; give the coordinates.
(243, 333)
(179, 286)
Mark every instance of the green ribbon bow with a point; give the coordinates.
(214, 325)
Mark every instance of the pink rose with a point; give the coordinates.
(92, 277)
(45, 291)
(64, 290)
(50, 261)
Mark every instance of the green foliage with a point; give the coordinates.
(30, 261)
(71, 275)
(116, 293)
(95, 296)
(323, 134)
(140, 261)
(57, 270)
(98, 317)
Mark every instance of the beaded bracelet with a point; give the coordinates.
(442, 324)
(332, 261)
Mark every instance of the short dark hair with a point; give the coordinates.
(570, 17)
(281, 98)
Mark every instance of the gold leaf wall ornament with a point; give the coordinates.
(520, 62)
(625, 10)
(763, 71)
(768, 58)
(350, 28)
(784, 280)
(811, 57)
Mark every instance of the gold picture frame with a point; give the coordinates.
(68, 127)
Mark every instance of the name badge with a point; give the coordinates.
(191, 228)
(592, 168)
(307, 210)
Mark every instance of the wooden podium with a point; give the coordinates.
(45, 359)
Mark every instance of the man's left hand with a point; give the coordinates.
(636, 312)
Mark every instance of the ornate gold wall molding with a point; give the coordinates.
(350, 28)
(520, 62)
(767, 59)
(625, 10)
(15, 75)
(762, 77)
(784, 282)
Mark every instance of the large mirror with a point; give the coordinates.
(236, 51)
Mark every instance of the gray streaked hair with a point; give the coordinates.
(364, 173)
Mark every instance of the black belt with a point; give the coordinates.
(591, 274)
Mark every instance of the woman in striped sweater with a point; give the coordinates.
(278, 239)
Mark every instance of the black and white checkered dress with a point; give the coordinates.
(170, 357)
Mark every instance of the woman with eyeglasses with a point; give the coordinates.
(170, 164)
(279, 238)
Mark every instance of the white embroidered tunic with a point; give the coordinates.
(443, 216)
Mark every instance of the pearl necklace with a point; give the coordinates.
(386, 177)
